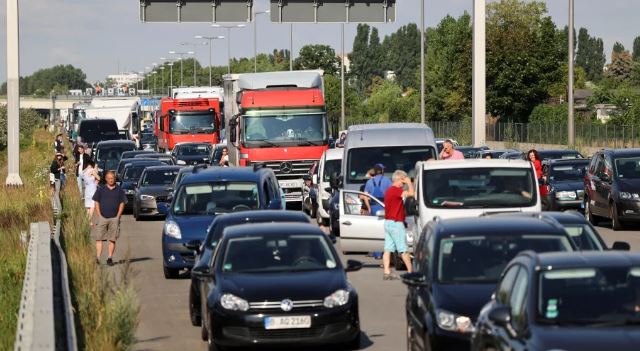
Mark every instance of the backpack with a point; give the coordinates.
(377, 190)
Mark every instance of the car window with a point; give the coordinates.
(628, 168)
(132, 173)
(354, 203)
(567, 172)
(583, 236)
(504, 288)
(331, 167)
(159, 177)
(517, 299)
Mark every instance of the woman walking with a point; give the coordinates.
(90, 178)
(57, 169)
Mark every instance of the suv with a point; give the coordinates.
(202, 196)
(109, 153)
(612, 187)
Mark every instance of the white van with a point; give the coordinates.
(330, 163)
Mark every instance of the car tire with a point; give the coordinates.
(594, 220)
(196, 319)
(355, 343)
(170, 273)
(616, 224)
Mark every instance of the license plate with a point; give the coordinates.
(290, 185)
(288, 322)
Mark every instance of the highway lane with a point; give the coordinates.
(164, 318)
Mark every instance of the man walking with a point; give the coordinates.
(395, 238)
(109, 205)
(449, 153)
(377, 187)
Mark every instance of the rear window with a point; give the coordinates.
(94, 131)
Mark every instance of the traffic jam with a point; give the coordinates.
(264, 206)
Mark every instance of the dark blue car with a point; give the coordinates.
(204, 195)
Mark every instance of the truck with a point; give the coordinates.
(124, 110)
(187, 120)
(277, 120)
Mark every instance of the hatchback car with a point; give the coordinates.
(191, 153)
(457, 264)
(130, 176)
(153, 189)
(565, 183)
(612, 187)
(293, 291)
(564, 301)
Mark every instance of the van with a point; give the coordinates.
(330, 164)
(92, 131)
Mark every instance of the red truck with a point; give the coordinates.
(277, 119)
(187, 120)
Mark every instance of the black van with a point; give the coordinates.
(92, 131)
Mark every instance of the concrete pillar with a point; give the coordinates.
(479, 74)
(13, 95)
(570, 120)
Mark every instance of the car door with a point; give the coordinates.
(359, 232)
(417, 303)
(496, 336)
(596, 186)
(605, 188)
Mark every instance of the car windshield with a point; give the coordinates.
(573, 172)
(595, 296)
(216, 197)
(194, 150)
(277, 253)
(92, 132)
(544, 155)
(361, 160)
(331, 167)
(479, 187)
(133, 172)
(297, 128)
(628, 168)
(583, 236)
(481, 259)
(159, 177)
(108, 158)
(199, 122)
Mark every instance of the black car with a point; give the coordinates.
(153, 188)
(471, 151)
(293, 291)
(565, 183)
(148, 142)
(457, 264)
(184, 172)
(191, 153)
(564, 301)
(557, 154)
(493, 153)
(108, 154)
(125, 161)
(160, 156)
(134, 153)
(206, 248)
(612, 187)
(130, 176)
(513, 155)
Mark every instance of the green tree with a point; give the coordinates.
(620, 66)
(43, 81)
(318, 57)
(618, 48)
(558, 89)
(402, 54)
(382, 99)
(554, 114)
(636, 49)
(359, 57)
(375, 54)
(590, 55)
(332, 97)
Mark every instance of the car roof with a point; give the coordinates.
(153, 155)
(271, 229)
(225, 173)
(260, 215)
(162, 168)
(474, 163)
(193, 143)
(116, 143)
(143, 163)
(622, 152)
(137, 159)
(556, 260)
(496, 225)
(566, 217)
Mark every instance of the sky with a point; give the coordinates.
(106, 36)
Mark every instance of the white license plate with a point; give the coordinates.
(290, 185)
(288, 322)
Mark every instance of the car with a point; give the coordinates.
(565, 183)
(293, 291)
(162, 157)
(456, 266)
(134, 153)
(204, 248)
(153, 189)
(563, 301)
(612, 187)
(130, 176)
(125, 161)
(558, 154)
(202, 196)
(93, 131)
(108, 154)
(191, 153)
(184, 172)
(148, 142)
(493, 153)
(513, 155)
(470, 151)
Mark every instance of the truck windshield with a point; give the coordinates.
(193, 122)
(289, 128)
(361, 160)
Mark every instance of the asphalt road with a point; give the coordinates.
(164, 318)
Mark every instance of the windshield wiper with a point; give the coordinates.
(263, 141)
(308, 142)
(452, 204)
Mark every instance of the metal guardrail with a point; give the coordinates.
(46, 296)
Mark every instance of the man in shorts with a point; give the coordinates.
(395, 239)
(109, 201)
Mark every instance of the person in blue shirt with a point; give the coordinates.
(377, 187)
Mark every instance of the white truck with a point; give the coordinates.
(124, 110)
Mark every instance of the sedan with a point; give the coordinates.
(293, 291)
(153, 188)
(565, 183)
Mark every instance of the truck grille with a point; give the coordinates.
(290, 169)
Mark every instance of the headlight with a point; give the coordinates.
(181, 162)
(129, 191)
(233, 303)
(172, 229)
(453, 322)
(338, 298)
(570, 195)
(629, 196)
(146, 197)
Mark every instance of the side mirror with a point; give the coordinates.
(193, 245)
(414, 279)
(380, 213)
(500, 315)
(202, 272)
(621, 246)
(353, 265)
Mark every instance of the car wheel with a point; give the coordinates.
(615, 219)
(587, 212)
(196, 320)
(355, 343)
(170, 273)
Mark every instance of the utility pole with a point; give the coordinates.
(210, 39)
(479, 74)
(342, 113)
(13, 94)
(570, 121)
(422, 115)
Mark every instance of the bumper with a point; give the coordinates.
(327, 327)
(628, 210)
(445, 340)
(148, 208)
(176, 256)
(556, 204)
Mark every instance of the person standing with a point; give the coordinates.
(224, 159)
(377, 187)
(81, 160)
(534, 157)
(57, 144)
(90, 178)
(109, 205)
(395, 239)
(57, 169)
(449, 153)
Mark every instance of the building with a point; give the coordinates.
(604, 111)
(347, 62)
(124, 78)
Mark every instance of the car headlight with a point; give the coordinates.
(571, 195)
(338, 298)
(181, 162)
(172, 229)
(129, 191)
(146, 197)
(453, 322)
(629, 196)
(233, 303)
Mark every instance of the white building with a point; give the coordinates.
(125, 78)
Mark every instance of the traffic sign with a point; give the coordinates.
(333, 11)
(204, 11)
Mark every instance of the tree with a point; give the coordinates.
(618, 48)
(620, 66)
(375, 55)
(549, 114)
(318, 57)
(279, 57)
(636, 49)
(333, 103)
(43, 81)
(360, 65)
(590, 55)
(402, 54)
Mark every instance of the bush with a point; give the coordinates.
(30, 120)
(551, 114)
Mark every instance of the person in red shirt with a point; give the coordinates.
(534, 157)
(395, 238)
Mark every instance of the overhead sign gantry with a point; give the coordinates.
(211, 11)
(333, 11)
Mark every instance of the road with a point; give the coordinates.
(164, 318)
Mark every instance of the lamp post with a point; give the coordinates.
(13, 95)
(147, 68)
(195, 83)
(153, 73)
(570, 127)
(162, 78)
(210, 39)
(255, 38)
(290, 46)
(181, 54)
(342, 112)
(229, 28)
(422, 114)
(141, 73)
(170, 64)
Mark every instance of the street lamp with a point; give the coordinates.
(255, 39)
(147, 68)
(181, 54)
(162, 78)
(170, 64)
(229, 28)
(153, 73)
(141, 80)
(210, 39)
(422, 108)
(194, 59)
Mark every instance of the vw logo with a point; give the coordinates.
(286, 305)
(286, 167)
